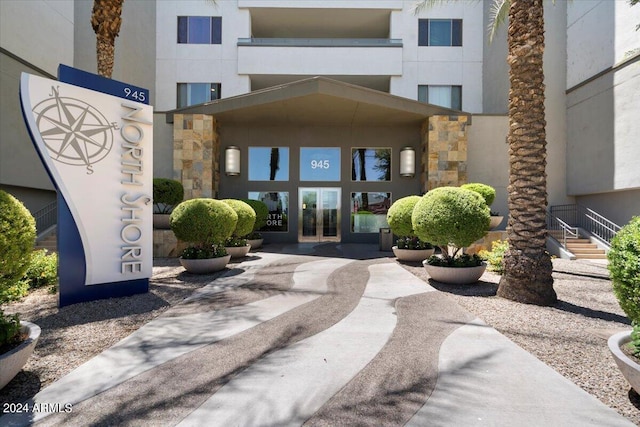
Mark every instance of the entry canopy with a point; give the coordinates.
(319, 100)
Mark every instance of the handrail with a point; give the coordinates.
(319, 42)
(46, 217)
(591, 221)
(556, 224)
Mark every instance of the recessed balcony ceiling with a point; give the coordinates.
(320, 23)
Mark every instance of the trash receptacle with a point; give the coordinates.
(385, 239)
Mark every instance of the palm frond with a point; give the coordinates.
(497, 16)
(422, 5)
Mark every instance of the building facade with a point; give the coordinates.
(243, 74)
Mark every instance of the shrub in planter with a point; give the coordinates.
(450, 217)
(246, 220)
(203, 223)
(167, 193)
(262, 213)
(487, 192)
(399, 216)
(624, 266)
(412, 243)
(17, 237)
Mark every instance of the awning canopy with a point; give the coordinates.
(318, 100)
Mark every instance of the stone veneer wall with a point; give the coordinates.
(444, 152)
(196, 154)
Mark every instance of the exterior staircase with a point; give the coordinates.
(584, 249)
(50, 243)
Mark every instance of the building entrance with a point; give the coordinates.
(319, 214)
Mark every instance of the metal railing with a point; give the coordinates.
(587, 219)
(560, 230)
(319, 42)
(46, 217)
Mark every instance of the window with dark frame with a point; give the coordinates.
(197, 93)
(442, 95)
(199, 29)
(440, 32)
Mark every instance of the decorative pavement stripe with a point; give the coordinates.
(166, 338)
(289, 385)
(402, 376)
(476, 386)
(168, 393)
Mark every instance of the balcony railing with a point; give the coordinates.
(319, 42)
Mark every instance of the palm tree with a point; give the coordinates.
(106, 18)
(527, 277)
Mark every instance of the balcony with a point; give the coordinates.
(320, 56)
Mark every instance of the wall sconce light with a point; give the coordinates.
(407, 162)
(232, 161)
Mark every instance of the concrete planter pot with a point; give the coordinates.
(412, 255)
(495, 222)
(204, 266)
(12, 362)
(630, 369)
(161, 221)
(238, 251)
(455, 275)
(255, 243)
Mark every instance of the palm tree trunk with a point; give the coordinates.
(106, 18)
(528, 266)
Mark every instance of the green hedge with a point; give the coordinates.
(487, 192)
(17, 238)
(261, 210)
(399, 216)
(167, 193)
(246, 217)
(624, 266)
(451, 216)
(203, 222)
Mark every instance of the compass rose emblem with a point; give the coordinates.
(74, 132)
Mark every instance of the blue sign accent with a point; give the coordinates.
(98, 83)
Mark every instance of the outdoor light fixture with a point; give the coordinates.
(232, 161)
(407, 162)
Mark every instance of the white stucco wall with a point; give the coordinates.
(38, 31)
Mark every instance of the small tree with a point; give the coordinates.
(487, 192)
(205, 223)
(246, 217)
(399, 220)
(450, 217)
(167, 193)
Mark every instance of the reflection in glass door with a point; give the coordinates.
(319, 215)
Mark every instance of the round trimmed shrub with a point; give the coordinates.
(487, 192)
(261, 210)
(450, 216)
(399, 216)
(246, 217)
(167, 193)
(624, 266)
(17, 238)
(203, 222)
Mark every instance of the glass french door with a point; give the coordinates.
(319, 215)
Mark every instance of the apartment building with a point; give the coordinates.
(326, 102)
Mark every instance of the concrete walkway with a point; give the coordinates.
(333, 335)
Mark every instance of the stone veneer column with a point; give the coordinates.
(444, 152)
(196, 154)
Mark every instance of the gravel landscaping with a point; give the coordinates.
(571, 337)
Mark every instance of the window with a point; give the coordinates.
(268, 164)
(197, 93)
(371, 164)
(278, 204)
(200, 29)
(440, 32)
(320, 164)
(444, 96)
(369, 212)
